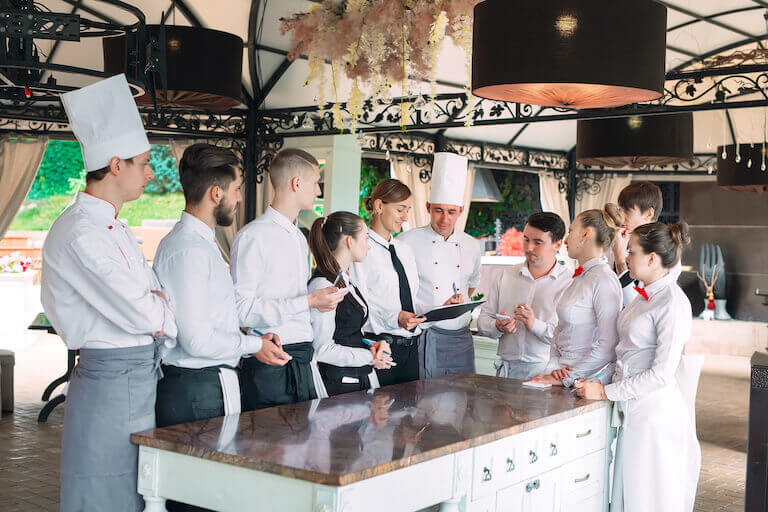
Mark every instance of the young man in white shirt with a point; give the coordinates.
(270, 269)
(640, 204)
(103, 299)
(448, 263)
(526, 294)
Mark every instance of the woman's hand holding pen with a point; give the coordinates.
(272, 352)
(326, 299)
(382, 356)
(590, 389)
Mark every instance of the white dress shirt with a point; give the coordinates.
(652, 334)
(628, 284)
(270, 268)
(379, 283)
(441, 263)
(96, 284)
(190, 267)
(585, 337)
(515, 286)
(324, 326)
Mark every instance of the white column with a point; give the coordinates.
(341, 173)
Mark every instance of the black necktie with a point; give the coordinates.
(406, 302)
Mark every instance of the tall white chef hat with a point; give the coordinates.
(449, 178)
(106, 122)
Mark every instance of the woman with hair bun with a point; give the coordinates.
(658, 457)
(345, 361)
(585, 336)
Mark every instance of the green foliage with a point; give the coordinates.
(39, 215)
(62, 171)
(370, 175)
(480, 221)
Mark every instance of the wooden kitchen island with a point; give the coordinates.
(467, 442)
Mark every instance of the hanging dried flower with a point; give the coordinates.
(358, 35)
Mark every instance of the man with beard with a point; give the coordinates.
(200, 380)
(521, 305)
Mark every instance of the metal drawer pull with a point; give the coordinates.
(585, 434)
(533, 457)
(579, 480)
(553, 449)
(487, 475)
(510, 465)
(530, 486)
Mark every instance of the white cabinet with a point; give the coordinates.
(562, 466)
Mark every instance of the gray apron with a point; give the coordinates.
(443, 351)
(111, 394)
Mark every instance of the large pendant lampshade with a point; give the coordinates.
(743, 169)
(569, 53)
(202, 68)
(635, 141)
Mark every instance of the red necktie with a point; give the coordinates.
(578, 272)
(642, 292)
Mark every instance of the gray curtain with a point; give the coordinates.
(19, 161)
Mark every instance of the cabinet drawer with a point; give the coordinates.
(584, 479)
(584, 434)
(485, 469)
(536, 494)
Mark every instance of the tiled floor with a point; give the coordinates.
(29, 452)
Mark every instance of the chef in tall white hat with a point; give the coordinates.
(449, 269)
(103, 299)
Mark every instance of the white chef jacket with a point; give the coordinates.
(586, 336)
(379, 283)
(515, 286)
(190, 267)
(96, 284)
(441, 263)
(270, 268)
(652, 334)
(324, 325)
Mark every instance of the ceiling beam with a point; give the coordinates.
(93, 12)
(272, 81)
(55, 47)
(682, 50)
(716, 15)
(253, 71)
(523, 128)
(716, 51)
(711, 21)
(168, 12)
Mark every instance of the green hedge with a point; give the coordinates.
(62, 171)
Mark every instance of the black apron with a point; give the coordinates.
(350, 318)
(268, 386)
(405, 352)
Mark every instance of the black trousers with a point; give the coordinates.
(407, 359)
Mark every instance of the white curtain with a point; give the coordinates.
(462, 221)
(555, 201)
(19, 161)
(402, 168)
(608, 193)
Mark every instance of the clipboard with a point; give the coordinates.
(452, 311)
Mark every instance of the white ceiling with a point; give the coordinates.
(233, 16)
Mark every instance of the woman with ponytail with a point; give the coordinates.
(585, 337)
(391, 279)
(345, 361)
(658, 457)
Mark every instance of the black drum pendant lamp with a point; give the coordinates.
(635, 141)
(744, 167)
(202, 68)
(569, 53)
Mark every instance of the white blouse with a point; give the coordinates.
(380, 285)
(586, 336)
(652, 334)
(323, 327)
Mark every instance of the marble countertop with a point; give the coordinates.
(355, 436)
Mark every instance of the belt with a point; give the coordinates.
(392, 339)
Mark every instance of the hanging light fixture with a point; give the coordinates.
(200, 68)
(484, 188)
(635, 141)
(569, 53)
(749, 173)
